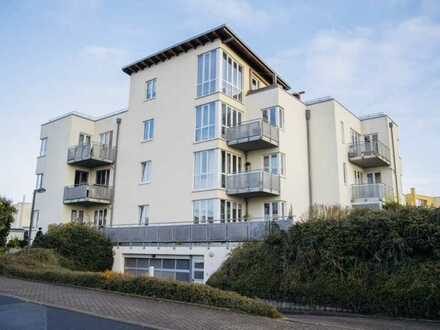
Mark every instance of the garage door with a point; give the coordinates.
(165, 268)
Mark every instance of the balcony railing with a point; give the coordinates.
(253, 135)
(374, 191)
(195, 233)
(91, 155)
(369, 154)
(253, 184)
(88, 194)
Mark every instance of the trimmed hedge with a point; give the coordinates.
(23, 265)
(368, 261)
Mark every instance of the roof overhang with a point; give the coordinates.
(227, 36)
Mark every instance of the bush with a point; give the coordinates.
(7, 212)
(384, 261)
(84, 246)
(16, 243)
(45, 265)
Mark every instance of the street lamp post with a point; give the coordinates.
(39, 190)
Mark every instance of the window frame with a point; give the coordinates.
(279, 117)
(236, 76)
(144, 220)
(146, 172)
(281, 162)
(205, 111)
(281, 210)
(207, 83)
(151, 93)
(211, 175)
(148, 127)
(43, 147)
(39, 181)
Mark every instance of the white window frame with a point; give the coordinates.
(106, 138)
(148, 129)
(144, 214)
(232, 77)
(274, 116)
(150, 89)
(230, 166)
(39, 182)
(100, 217)
(280, 207)
(146, 171)
(208, 178)
(207, 73)
(230, 117)
(43, 147)
(231, 211)
(280, 159)
(207, 122)
(205, 210)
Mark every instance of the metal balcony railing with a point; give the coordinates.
(369, 154)
(253, 184)
(195, 233)
(94, 194)
(90, 155)
(368, 191)
(253, 135)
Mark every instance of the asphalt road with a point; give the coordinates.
(16, 314)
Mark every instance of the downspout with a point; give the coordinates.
(118, 125)
(309, 159)
(394, 161)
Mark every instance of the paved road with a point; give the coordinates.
(67, 308)
(17, 314)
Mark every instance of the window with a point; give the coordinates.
(77, 216)
(373, 178)
(207, 73)
(204, 210)
(43, 147)
(358, 177)
(205, 169)
(146, 171)
(39, 183)
(342, 132)
(84, 139)
(255, 82)
(274, 116)
(144, 213)
(100, 218)
(148, 129)
(355, 137)
(230, 117)
(103, 177)
(206, 121)
(230, 164)
(150, 91)
(81, 177)
(274, 210)
(275, 163)
(230, 211)
(106, 138)
(232, 78)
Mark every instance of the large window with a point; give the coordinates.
(106, 138)
(230, 164)
(39, 183)
(274, 116)
(100, 218)
(144, 214)
(103, 177)
(204, 210)
(146, 171)
(206, 121)
(148, 129)
(230, 117)
(43, 147)
(275, 163)
(207, 73)
(150, 89)
(232, 80)
(274, 210)
(230, 211)
(205, 169)
(178, 269)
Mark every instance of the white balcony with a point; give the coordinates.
(369, 154)
(253, 135)
(253, 184)
(91, 155)
(88, 195)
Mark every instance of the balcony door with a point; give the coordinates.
(81, 178)
(84, 139)
(371, 142)
(373, 178)
(103, 177)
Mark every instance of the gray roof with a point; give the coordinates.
(222, 32)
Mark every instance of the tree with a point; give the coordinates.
(7, 212)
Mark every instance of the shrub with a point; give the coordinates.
(7, 212)
(16, 243)
(45, 265)
(383, 261)
(84, 246)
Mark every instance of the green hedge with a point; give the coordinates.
(43, 265)
(368, 261)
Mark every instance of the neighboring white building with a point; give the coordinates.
(212, 134)
(21, 220)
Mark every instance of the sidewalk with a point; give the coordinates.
(147, 312)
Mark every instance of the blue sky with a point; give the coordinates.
(373, 56)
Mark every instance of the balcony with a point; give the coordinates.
(370, 195)
(88, 195)
(91, 155)
(369, 154)
(253, 135)
(253, 184)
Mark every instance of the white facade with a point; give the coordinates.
(211, 134)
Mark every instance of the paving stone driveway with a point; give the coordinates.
(147, 312)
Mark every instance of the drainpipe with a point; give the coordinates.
(309, 159)
(394, 161)
(118, 125)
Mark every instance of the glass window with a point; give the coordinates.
(156, 263)
(232, 78)
(39, 183)
(150, 92)
(274, 210)
(206, 121)
(274, 116)
(130, 262)
(182, 264)
(169, 264)
(144, 212)
(198, 275)
(204, 210)
(148, 129)
(43, 147)
(275, 163)
(230, 211)
(205, 169)
(207, 73)
(146, 171)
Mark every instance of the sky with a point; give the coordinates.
(373, 56)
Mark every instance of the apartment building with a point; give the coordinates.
(212, 135)
(21, 220)
(415, 199)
